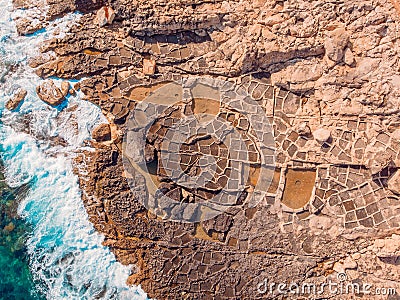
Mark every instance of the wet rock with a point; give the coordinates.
(9, 227)
(18, 97)
(65, 87)
(50, 93)
(56, 9)
(27, 26)
(77, 86)
(149, 66)
(40, 59)
(102, 133)
(87, 6)
(105, 15)
(322, 135)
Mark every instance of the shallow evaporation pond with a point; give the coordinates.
(205, 106)
(299, 185)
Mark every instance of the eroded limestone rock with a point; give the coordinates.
(335, 44)
(347, 83)
(379, 160)
(303, 129)
(349, 57)
(299, 77)
(27, 26)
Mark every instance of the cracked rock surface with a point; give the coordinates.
(326, 75)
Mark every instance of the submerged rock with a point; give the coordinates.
(9, 227)
(18, 97)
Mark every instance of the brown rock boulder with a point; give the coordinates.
(335, 44)
(51, 94)
(322, 135)
(65, 87)
(18, 97)
(102, 133)
(27, 26)
(105, 15)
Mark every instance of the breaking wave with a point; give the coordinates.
(66, 256)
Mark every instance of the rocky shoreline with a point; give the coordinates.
(326, 74)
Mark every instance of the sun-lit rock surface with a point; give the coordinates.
(325, 74)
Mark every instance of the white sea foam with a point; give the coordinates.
(65, 251)
(66, 254)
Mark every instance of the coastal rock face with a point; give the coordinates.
(324, 74)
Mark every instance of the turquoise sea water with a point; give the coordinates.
(48, 248)
(17, 281)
